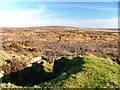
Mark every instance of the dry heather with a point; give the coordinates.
(51, 42)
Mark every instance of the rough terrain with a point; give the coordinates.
(51, 42)
(35, 56)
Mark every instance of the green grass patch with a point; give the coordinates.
(94, 72)
(75, 72)
(75, 31)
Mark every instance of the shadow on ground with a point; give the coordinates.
(36, 74)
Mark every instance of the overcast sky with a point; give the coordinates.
(76, 14)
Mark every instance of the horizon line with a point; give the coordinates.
(58, 26)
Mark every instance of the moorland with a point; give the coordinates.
(59, 56)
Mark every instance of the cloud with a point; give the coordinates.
(41, 9)
(48, 15)
(88, 7)
(40, 17)
(98, 23)
(26, 17)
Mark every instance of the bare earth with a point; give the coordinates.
(51, 42)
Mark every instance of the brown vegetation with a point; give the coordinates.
(60, 41)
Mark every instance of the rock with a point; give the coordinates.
(30, 65)
(1, 74)
(36, 59)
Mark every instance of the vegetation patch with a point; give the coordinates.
(68, 72)
(75, 31)
(86, 72)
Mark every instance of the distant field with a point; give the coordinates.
(60, 41)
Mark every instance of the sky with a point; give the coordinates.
(75, 14)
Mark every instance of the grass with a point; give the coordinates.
(48, 67)
(84, 72)
(75, 31)
(5, 56)
(94, 72)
